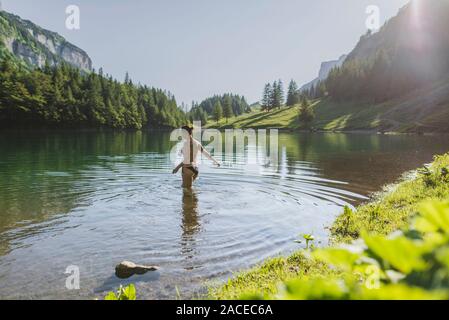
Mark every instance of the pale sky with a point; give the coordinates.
(197, 48)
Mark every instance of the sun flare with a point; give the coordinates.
(416, 12)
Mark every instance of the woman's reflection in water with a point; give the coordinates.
(190, 222)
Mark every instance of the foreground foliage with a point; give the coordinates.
(413, 264)
(264, 280)
(373, 259)
(123, 293)
(394, 207)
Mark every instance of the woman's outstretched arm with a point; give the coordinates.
(207, 154)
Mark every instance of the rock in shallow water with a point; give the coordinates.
(127, 269)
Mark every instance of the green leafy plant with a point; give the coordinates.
(412, 264)
(308, 238)
(123, 293)
(436, 173)
(347, 217)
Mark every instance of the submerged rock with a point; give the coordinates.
(127, 269)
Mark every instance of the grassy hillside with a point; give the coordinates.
(424, 110)
(282, 118)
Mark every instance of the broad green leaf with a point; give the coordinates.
(442, 256)
(433, 240)
(314, 289)
(398, 292)
(130, 292)
(437, 214)
(423, 225)
(308, 237)
(110, 296)
(341, 258)
(401, 253)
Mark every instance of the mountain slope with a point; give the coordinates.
(325, 69)
(35, 46)
(420, 28)
(396, 80)
(409, 52)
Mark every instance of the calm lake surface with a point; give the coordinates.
(94, 199)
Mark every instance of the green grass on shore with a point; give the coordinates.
(389, 211)
(265, 279)
(328, 116)
(285, 117)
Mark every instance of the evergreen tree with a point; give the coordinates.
(276, 95)
(292, 95)
(62, 95)
(218, 111)
(227, 108)
(266, 99)
(306, 115)
(238, 103)
(304, 101)
(280, 94)
(203, 117)
(127, 78)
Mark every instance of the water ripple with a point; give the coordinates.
(131, 207)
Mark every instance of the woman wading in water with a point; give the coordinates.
(190, 151)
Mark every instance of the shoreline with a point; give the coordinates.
(11, 130)
(359, 131)
(387, 211)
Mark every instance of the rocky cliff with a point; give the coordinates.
(35, 46)
(325, 69)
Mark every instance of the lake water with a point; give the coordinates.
(94, 199)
